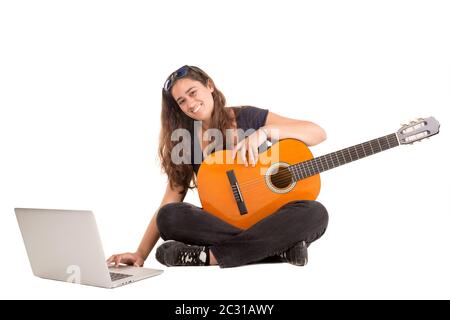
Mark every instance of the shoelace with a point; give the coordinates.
(190, 256)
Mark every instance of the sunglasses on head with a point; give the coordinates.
(180, 73)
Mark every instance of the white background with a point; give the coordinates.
(80, 86)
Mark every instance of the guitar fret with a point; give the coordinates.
(336, 160)
(344, 159)
(297, 172)
(391, 142)
(308, 168)
(293, 170)
(386, 145)
(329, 161)
(363, 151)
(343, 156)
(374, 147)
(394, 140)
(312, 162)
(326, 162)
(356, 152)
(316, 168)
(320, 159)
(304, 170)
(349, 154)
(312, 167)
(332, 162)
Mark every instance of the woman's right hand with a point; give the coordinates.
(128, 258)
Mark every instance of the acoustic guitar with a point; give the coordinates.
(285, 172)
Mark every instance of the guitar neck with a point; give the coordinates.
(332, 160)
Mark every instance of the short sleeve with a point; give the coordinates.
(253, 117)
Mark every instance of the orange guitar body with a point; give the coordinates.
(261, 196)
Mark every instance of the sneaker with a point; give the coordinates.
(175, 253)
(296, 255)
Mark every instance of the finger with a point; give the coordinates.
(235, 150)
(252, 152)
(255, 154)
(251, 156)
(117, 261)
(248, 149)
(243, 154)
(110, 259)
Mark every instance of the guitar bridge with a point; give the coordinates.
(237, 192)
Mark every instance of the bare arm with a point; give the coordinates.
(306, 131)
(278, 127)
(150, 237)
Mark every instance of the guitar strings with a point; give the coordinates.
(308, 166)
(390, 139)
(286, 178)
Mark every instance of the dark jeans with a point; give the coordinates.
(294, 222)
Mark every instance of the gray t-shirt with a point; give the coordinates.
(247, 117)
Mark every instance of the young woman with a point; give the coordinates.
(190, 98)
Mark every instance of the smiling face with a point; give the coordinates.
(194, 99)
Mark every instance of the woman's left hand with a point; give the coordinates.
(250, 146)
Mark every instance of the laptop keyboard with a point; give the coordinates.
(117, 276)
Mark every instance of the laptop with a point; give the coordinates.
(65, 245)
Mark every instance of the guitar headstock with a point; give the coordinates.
(418, 130)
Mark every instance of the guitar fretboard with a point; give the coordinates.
(332, 160)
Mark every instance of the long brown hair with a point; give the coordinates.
(172, 117)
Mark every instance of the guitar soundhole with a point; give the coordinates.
(282, 179)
